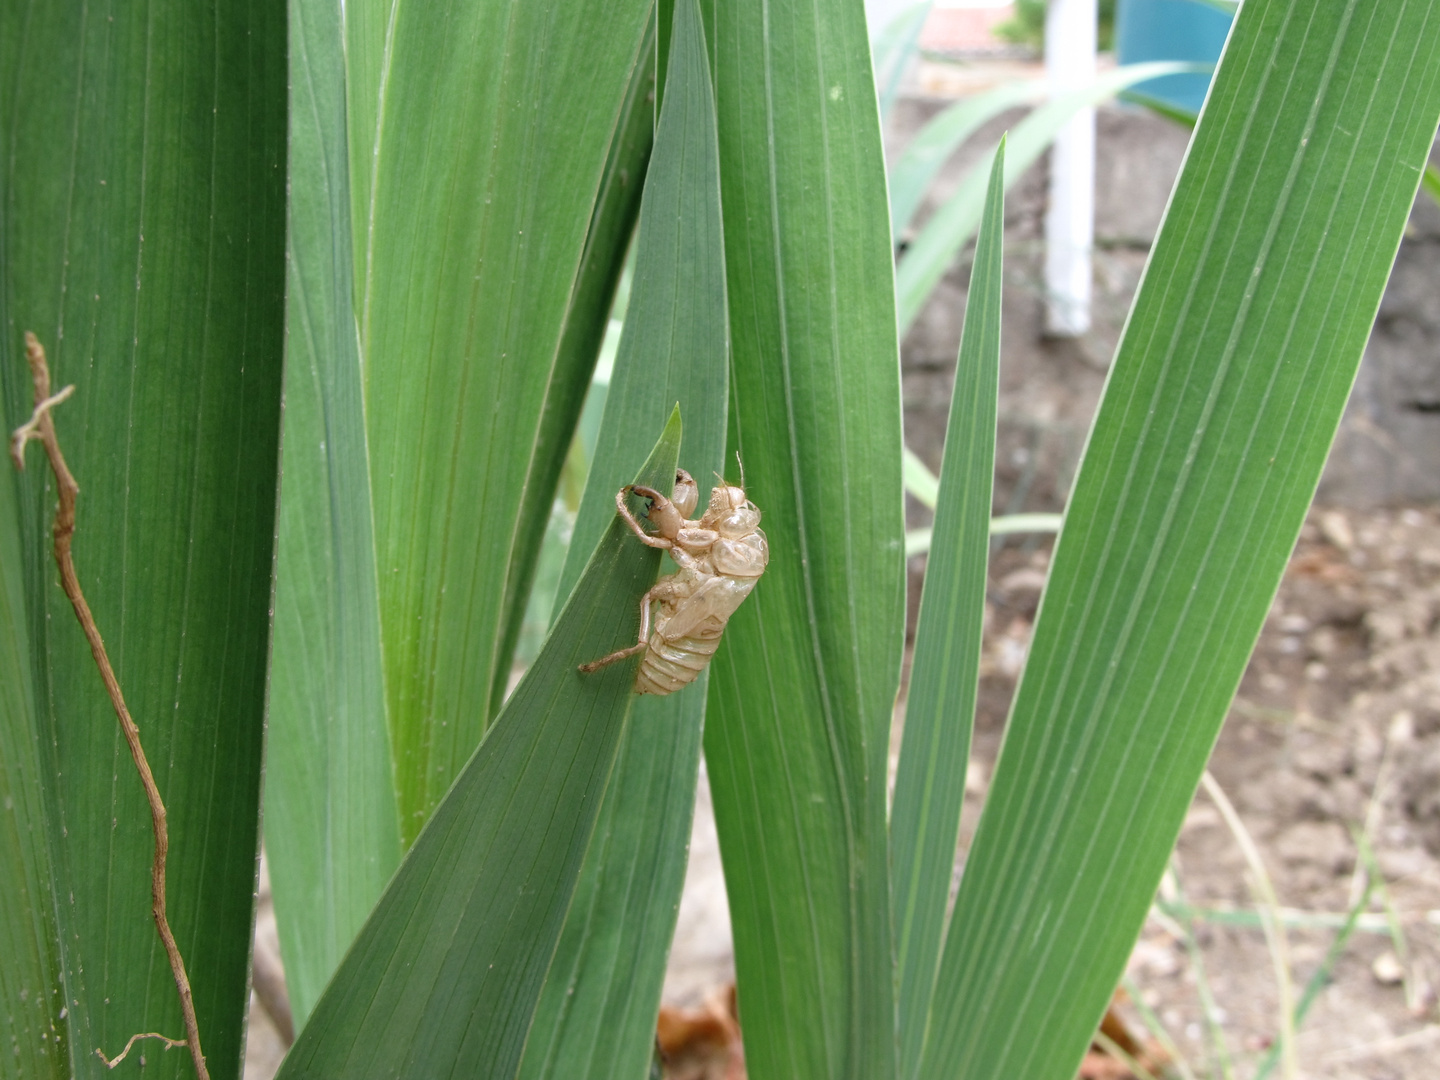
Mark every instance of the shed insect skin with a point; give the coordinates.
(721, 556)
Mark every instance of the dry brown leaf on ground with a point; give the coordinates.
(703, 1043)
(1100, 1063)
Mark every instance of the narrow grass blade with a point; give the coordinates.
(917, 541)
(953, 224)
(445, 976)
(1322, 975)
(332, 821)
(142, 208)
(915, 169)
(479, 137)
(940, 708)
(1277, 941)
(919, 480)
(802, 691)
(597, 1015)
(1221, 405)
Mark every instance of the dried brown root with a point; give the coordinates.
(110, 1063)
(41, 428)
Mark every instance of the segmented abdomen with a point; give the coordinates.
(669, 665)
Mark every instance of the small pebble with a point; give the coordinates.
(1387, 969)
(1294, 624)
(1336, 529)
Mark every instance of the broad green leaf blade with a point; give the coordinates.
(444, 978)
(597, 1015)
(601, 267)
(930, 783)
(947, 230)
(33, 990)
(675, 344)
(1221, 405)
(143, 204)
(915, 170)
(893, 48)
(482, 133)
(332, 822)
(802, 692)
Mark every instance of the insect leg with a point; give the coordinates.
(630, 519)
(633, 650)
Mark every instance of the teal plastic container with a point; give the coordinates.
(1171, 30)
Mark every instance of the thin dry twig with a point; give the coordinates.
(41, 428)
(170, 1044)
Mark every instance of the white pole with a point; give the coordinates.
(1070, 42)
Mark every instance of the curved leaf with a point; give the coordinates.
(916, 168)
(893, 47)
(952, 225)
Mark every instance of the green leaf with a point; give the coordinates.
(801, 694)
(606, 246)
(940, 708)
(479, 136)
(1430, 181)
(31, 977)
(333, 826)
(1176, 114)
(143, 195)
(919, 481)
(1221, 405)
(952, 225)
(597, 1015)
(893, 48)
(917, 541)
(664, 23)
(444, 978)
(438, 361)
(915, 169)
